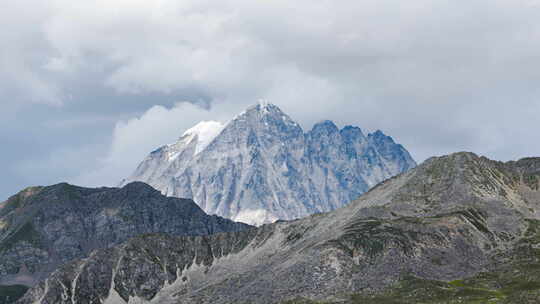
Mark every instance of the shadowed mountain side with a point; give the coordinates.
(44, 227)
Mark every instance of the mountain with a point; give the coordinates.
(456, 229)
(262, 166)
(44, 227)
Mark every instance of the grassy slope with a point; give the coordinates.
(516, 280)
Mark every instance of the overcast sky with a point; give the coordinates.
(88, 88)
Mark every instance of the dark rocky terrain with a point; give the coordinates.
(456, 229)
(44, 227)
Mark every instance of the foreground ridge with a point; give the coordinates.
(456, 228)
(42, 228)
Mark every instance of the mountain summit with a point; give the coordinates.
(261, 166)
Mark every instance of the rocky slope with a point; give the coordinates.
(456, 229)
(262, 166)
(44, 227)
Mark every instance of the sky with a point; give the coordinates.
(89, 88)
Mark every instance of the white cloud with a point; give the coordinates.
(23, 49)
(234, 47)
(135, 138)
(437, 75)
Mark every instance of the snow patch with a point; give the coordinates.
(205, 131)
(263, 102)
(239, 115)
(171, 156)
(255, 217)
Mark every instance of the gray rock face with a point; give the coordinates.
(449, 218)
(44, 227)
(262, 166)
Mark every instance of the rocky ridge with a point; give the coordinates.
(42, 228)
(452, 221)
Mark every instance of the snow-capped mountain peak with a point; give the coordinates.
(204, 132)
(264, 117)
(262, 109)
(262, 166)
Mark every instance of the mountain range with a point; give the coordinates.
(455, 229)
(261, 166)
(42, 228)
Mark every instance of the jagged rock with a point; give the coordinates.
(44, 227)
(450, 218)
(262, 166)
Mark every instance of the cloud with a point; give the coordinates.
(135, 138)
(23, 47)
(434, 51)
(439, 76)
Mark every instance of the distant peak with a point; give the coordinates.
(263, 102)
(379, 136)
(351, 131)
(261, 109)
(378, 133)
(351, 128)
(326, 125)
(268, 116)
(263, 106)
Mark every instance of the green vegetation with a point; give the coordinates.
(371, 236)
(415, 290)
(10, 293)
(516, 280)
(520, 288)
